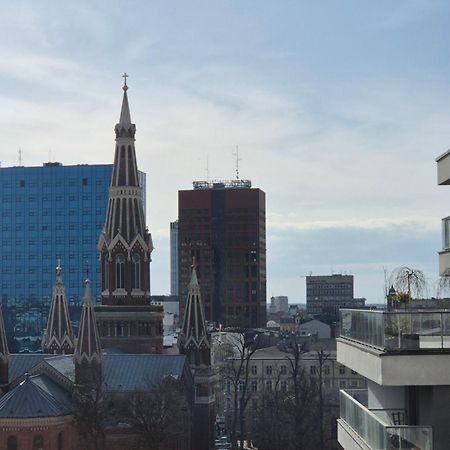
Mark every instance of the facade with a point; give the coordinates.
(174, 282)
(223, 225)
(326, 294)
(127, 320)
(270, 369)
(406, 357)
(49, 213)
(279, 305)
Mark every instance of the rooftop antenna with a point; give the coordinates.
(207, 167)
(236, 154)
(20, 157)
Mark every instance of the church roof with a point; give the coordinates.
(36, 396)
(120, 372)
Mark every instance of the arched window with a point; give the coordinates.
(38, 442)
(12, 443)
(136, 271)
(120, 272)
(60, 441)
(106, 271)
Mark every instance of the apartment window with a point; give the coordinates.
(312, 370)
(342, 370)
(269, 370)
(446, 233)
(228, 386)
(283, 370)
(269, 386)
(284, 386)
(254, 370)
(254, 386)
(84, 182)
(326, 370)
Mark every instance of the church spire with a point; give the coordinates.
(125, 117)
(4, 356)
(58, 337)
(88, 352)
(194, 340)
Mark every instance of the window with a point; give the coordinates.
(326, 370)
(84, 182)
(342, 383)
(254, 386)
(342, 370)
(120, 272)
(254, 370)
(446, 233)
(269, 370)
(284, 386)
(283, 370)
(12, 443)
(106, 273)
(269, 385)
(136, 271)
(312, 370)
(38, 442)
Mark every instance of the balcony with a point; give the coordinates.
(374, 429)
(396, 348)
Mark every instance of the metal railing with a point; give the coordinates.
(397, 330)
(377, 434)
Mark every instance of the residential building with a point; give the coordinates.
(326, 294)
(174, 282)
(223, 225)
(127, 320)
(271, 369)
(405, 355)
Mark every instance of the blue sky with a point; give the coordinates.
(339, 109)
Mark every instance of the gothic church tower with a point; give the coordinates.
(127, 321)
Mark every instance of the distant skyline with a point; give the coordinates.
(339, 109)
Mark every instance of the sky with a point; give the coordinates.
(339, 109)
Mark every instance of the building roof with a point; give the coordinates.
(120, 372)
(36, 396)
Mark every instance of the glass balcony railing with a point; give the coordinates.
(378, 434)
(397, 331)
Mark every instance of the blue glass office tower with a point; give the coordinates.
(48, 213)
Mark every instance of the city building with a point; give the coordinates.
(49, 213)
(405, 355)
(279, 305)
(223, 225)
(174, 282)
(271, 369)
(326, 294)
(127, 320)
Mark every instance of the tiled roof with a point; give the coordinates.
(36, 396)
(22, 363)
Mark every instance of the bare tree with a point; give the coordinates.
(236, 374)
(322, 357)
(91, 414)
(407, 282)
(161, 416)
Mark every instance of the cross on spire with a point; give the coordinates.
(125, 76)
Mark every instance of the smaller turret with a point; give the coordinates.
(88, 352)
(193, 338)
(58, 337)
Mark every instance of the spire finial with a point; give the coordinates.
(58, 267)
(125, 86)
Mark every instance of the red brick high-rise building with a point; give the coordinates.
(223, 225)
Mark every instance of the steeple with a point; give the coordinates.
(125, 235)
(193, 338)
(58, 337)
(88, 352)
(4, 356)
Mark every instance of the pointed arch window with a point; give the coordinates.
(120, 272)
(136, 271)
(106, 272)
